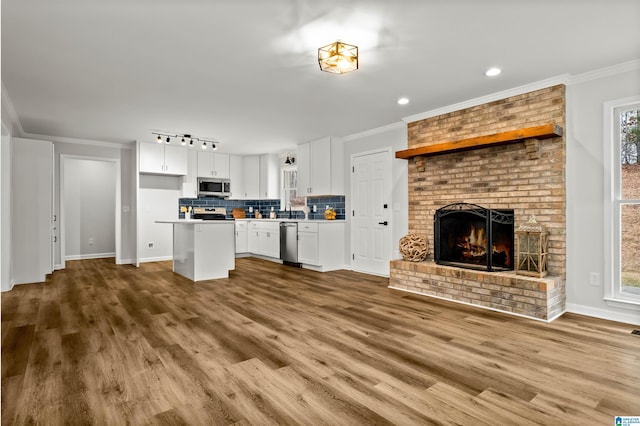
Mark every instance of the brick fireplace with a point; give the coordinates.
(526, 175)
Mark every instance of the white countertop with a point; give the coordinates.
(195, 221)
(283, 219)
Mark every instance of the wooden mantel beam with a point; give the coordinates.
(538, 132)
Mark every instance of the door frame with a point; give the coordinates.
(389, 157)
(118, 203)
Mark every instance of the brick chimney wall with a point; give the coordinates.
(528, 177)
(508, 177)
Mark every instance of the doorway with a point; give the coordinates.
(371, 212)
(90, 223)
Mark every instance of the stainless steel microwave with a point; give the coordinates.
(214, 187)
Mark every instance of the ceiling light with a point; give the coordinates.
(338, 57)
(403, 101)
(183, 142)
(168, 139)
(492, 72)
(190, 142)
(159, 139)
(204, 145)
(213, 146)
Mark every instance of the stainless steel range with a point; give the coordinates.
(210, 213)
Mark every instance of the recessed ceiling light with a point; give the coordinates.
(403, 101)
(492, 72)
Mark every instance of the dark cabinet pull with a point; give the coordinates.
(385, 223)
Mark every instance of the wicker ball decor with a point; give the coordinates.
(413, 247)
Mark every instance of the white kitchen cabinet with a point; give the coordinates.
(253, 238)
(242, 242)
(320, 245)
(269, 177)
(320, 168)
(190, 181)
(264, 238)
(163, 159)
(308, 244)
(213, 164)
(251, 177)
(236, 177)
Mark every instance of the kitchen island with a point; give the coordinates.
(202, 249)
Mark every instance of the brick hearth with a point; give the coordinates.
(528, 177)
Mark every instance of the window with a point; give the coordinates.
(624, 202)
(289, 190)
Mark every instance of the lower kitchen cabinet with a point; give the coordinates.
(242, 242)
(264, 238)
(321, 245)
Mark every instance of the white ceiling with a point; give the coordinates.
(245, 71)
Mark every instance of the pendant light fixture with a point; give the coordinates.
(290, 159)
(338, 57)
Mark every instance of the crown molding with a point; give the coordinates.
(377, 130)
(7, 106)
(606, 72)
(542, 84)
(91, 142)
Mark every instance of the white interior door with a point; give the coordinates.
(371, 202)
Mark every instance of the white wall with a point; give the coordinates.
(5, 209)
(158, 200)
(395, 138)
(89, 208)
(31, 223)
(585, 191)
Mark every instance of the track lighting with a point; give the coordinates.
(183, 137)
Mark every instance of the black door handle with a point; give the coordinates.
(385, 223)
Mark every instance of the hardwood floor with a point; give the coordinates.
(106, 344)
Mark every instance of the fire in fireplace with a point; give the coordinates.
(471, 236)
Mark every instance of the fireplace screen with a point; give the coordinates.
(471, 236)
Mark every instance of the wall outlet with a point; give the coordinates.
(594, 278)
(150, 244)
(250, 209)
(92, 241)
(315, 208)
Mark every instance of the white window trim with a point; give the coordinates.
(612, 293)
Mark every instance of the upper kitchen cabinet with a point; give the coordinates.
(320, 166)
(212, 164)
(236, 170)
(251, 177)
(163, 159)
(269, 174)
(189, 187)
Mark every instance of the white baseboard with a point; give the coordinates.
(57, 267)
(125, 262)
(89, 256)
(628, 318)
(155, 259)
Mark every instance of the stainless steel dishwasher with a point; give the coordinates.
(289, 243)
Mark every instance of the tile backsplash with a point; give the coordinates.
(264, 206)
